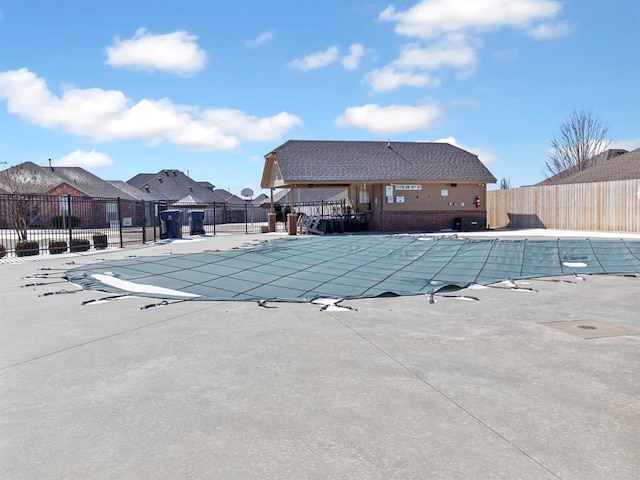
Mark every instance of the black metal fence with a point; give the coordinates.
(37, 224)
(34, 224)
(226, 218)
(249, 218)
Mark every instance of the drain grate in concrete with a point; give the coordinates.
(590, 329)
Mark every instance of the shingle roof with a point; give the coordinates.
(363, 161)
(89, 183)
(132, 191)
(29, 176)
(567, 175)
(229, 197)
(613, 165)
(173, 185)
(622, 167)
(260, 199)
(41, 180)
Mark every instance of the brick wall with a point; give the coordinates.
(420, 221)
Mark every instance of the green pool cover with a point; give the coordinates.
(353, 266)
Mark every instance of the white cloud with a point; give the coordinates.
(450, 31)
(245, 126)
(261, 39)
(389, 78)
(393, 119)
(547, 31)
(453, 50)
(412, 68)
(352, 61)
(176, 52)
(107, 115)
(431, 18)
(316, 60)
(486, 155)
(82, 159)
(630, 144)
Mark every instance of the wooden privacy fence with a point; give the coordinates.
(607, 206)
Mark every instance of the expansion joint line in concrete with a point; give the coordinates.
(447, 397)
(106, 337)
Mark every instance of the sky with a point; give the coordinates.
(210, 87)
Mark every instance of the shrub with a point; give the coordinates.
(100, 241)
(66, 222)
(25, 248)
(57, 246)
(3, 251)
(80, 245)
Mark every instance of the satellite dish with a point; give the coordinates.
(247, 192)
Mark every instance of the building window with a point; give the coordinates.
(112, 212)
(64, 207)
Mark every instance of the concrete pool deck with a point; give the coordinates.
(396, 388)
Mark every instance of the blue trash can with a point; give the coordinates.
(196, 222)
(171, 224)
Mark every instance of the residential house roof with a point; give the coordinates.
(345, 162)
(173, 186)
(601, 160)
(620, 167)
(42, 180)
(133, 191)
(191, 200)
(229, 197)
(28, 177)
(260, 199)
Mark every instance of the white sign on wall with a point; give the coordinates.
(408, 187)
(444, 192)
(400, 199)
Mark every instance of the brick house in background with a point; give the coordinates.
(98, 211)
(396, 186)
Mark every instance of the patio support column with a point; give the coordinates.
(292, 224)
(271, 217)
(292, 218)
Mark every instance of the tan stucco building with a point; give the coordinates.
(397, 186)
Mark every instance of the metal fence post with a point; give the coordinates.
(144, 222)
(214, 218)
(69, 220)
(246, 219)
(120, 222)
